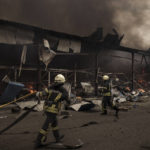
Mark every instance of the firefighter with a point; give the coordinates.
(106, 92)
(53, 95)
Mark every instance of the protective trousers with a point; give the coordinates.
(50, 122)
(108, 102)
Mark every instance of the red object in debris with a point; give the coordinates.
(128, 89)
(140, 81)
(141, 90)
(31, 88)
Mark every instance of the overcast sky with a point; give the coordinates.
(82, 17)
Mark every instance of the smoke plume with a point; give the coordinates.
(82, 17)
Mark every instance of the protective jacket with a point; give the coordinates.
(54, 95)
(106, 88)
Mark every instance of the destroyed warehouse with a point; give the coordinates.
(80, 59)
(31, 58)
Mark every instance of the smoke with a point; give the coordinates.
(10, 10)
(82, 17)
(133, 19)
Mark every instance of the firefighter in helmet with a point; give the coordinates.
(53, 95)
(106, 92)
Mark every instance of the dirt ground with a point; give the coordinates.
(130, 132)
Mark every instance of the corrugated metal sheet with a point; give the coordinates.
(75, 46)
(13, 35)
(65, 45)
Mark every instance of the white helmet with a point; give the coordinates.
(105, 77)
(59, 79)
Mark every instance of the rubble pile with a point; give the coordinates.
(83, 99)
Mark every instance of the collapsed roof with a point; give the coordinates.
(20, 34)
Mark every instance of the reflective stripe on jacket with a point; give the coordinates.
(107, 89)
(53, 101)
(107, 94)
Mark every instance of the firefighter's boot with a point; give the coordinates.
(41, 139)
(117, 111)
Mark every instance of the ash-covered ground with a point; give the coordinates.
(130, 132)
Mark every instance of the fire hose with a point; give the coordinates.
(20, 98)
(22, 116)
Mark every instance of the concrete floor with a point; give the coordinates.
(130, 132)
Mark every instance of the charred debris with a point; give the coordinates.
(82, 60)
